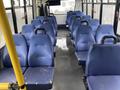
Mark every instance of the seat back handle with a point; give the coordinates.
(108, 37)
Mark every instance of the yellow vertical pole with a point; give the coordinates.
(4, 86)
(6, 31)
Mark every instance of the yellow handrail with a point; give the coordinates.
(4, 86)
(6, 31)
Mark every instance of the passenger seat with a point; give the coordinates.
(102, 67)
(7, 73)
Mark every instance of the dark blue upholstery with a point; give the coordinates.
(79, 21)
(86, 18)
(21, 48)
(74, 18)
(68, 16)
(103, 60)
(94, 23)
(104, 30)
(84, 38)
(40, 51)
(39, 78)
(7, 75)
(51, 25)
(27, 31)
(72, 13)
(104, 82)
(102, 67)
(41, 18)
(36, 22)
(53, 21)
(49, 30)
(75, 28)
(75, 25)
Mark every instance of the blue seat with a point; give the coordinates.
(36, 22)
(68, 15)
(53, 21)
(39, 78)
(84, 38)
(72, 13)
(41, 18)
(79, 21)
(39, 75)
(104, 30)
(40, 51)
(27, 31)
(75, 27)
(49, 30)
(7, 73)
(74, 18)
(94, 23)
(102, 67)
(51, 24)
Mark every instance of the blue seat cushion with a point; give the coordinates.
(39, 78)
(103, 82)
(7, 75)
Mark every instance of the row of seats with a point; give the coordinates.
(35, 50)
(102, 60)
(85, 32)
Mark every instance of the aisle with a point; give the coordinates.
(68, 75)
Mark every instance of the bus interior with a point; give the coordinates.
(60, 45)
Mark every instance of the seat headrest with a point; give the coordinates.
(27, 28)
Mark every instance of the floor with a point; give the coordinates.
(68, 74)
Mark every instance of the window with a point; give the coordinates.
(7, 3)
(118, 29)
(64, 7)
(89, 9)
(108, 14)
(97, 11)
(61, 10)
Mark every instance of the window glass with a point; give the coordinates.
(29, 14)
(84, 8)
(16, 2)
(10, 19)
(118, 29)
(108, 18)
(21, 3)
(64, 7)
(105, 1)
(20, 18)
(7, 3)
(96, 11)
(112, 1)
(89, 9)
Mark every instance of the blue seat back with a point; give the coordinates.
(94, 23)
(84, 38)
(104, 30)
(36, 22)
(41, 18)
(27, 31)
(49, 30)
(21, 48)
(103, 60)
(40, 51)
